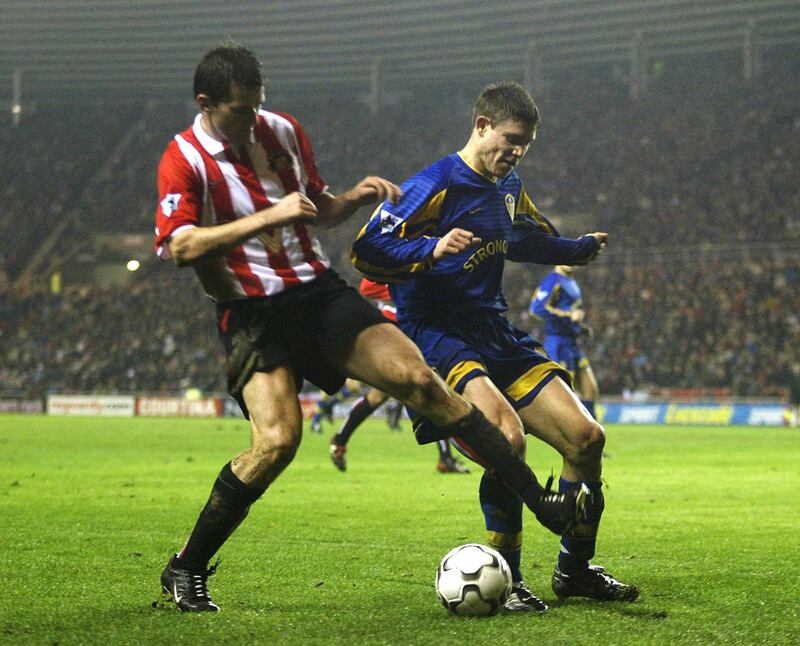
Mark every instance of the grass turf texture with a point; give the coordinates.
(704, 520)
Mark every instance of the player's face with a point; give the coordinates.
(503, 145)
(233, 119)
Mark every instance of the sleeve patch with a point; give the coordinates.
(388, 221)
(170, 203)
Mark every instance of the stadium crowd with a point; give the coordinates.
(111, 339)
(695, 162)
(720, 325)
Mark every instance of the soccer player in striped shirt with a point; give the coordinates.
(442, 250)
(238, 191)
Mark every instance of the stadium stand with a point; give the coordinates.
(696, 182)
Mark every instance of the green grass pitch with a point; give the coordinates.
(704, 520)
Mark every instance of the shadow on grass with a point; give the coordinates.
(624, 608)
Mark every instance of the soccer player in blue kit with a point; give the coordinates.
(442, 250)
(558, 303)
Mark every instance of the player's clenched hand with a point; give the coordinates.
(602, 239)
(375, 189)
(294, 207)
(454, 242)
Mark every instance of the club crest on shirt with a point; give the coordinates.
(271, 239)
(511, 205)
(280, 162)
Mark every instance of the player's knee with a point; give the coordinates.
(275, 445)
(587, 442)
(517, 440)
(417, 384)
(515, 433)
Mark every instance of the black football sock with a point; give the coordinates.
(486, 445)
(226, 508)
(358, 413)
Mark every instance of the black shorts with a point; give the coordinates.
(307, 328)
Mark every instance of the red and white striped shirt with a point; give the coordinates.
(379, 294)
(203, 181)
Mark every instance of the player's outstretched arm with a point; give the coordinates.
(602, 240)
(198, 243)
(532, 244)
(334, 210)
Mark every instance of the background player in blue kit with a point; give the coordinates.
(442, 250)
(558, 303)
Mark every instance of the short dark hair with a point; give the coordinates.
(506, 100)
(221, 66)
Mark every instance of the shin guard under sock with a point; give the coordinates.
(484, 443)
(578, 546)
(226, 508)
(502, 510)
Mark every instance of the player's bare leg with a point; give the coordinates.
(557, 417)
(384, 357)
(276, 424)
(275, 421)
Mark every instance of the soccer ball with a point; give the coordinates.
(473, 580)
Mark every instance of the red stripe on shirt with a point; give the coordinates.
(279, 261)
(288, 178)
(371, 289)
(236, 259)
(315, 184)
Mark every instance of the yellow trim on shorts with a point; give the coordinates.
(501, 541)
(461, 369)
(566, 369)
(527, 382)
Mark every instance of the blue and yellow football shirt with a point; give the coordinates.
(396, 245)
(553, 302)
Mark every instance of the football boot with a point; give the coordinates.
(188, 588)
(522, 599)
(451, 465)
(561, 511)
(594, 583)
(337, 456)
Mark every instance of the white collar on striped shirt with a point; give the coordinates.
(212, 146)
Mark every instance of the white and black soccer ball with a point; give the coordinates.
(473, 580)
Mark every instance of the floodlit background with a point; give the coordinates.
(672, 125)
